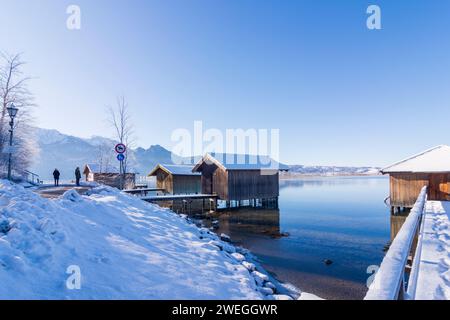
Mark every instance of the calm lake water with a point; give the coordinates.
(343, 219)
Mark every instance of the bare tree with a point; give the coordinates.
(14, 90)
(104, 156)
(120, 120)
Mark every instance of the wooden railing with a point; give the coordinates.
(390, 281)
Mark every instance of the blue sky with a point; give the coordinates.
(339, 93)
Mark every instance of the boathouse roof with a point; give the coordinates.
(436, 159)
(241, 162)
(176, 170)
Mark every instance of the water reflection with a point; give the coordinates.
(341, 219)
(326, 181)
(397, 222)
(248, 221)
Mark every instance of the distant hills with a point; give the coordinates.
(299, 170)
(66, 152)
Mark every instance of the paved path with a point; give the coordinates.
(51, 192)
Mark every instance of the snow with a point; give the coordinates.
(47, 136)
(239, 257)
(309, 296)
(242, 162)
(125, 249)
(259, 277)
(436, 159)
(249, 266)
(181, 170)
(433, 275)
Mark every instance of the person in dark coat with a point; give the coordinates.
(56, 175)
(78, 175)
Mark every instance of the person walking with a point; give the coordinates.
(78, 176)
(56, 175)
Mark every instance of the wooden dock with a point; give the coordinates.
(186, 197)
(143, 191)
(187, 203)
(390, 282)
(418, 261)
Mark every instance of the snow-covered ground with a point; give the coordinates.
(433, 280)
(124, 248)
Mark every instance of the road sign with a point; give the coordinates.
(120, 148)
(121, 157)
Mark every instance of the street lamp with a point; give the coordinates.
(12, 112)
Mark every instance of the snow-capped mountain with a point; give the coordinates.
(65, 152)
(332, 170)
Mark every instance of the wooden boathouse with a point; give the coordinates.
(177, 179)
(181, 189)
(237, 178)
(407, 177)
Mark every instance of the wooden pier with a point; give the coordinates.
(415, 266)
(186, 203)
(187, 197)
(390, 282)
(143, 191)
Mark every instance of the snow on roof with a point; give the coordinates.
(96, 168)
(436, 159)
(176, 170)
(242, 162)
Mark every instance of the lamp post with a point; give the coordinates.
(12, 112)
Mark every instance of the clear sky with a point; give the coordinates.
(339, 93)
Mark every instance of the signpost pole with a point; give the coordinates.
(121, 175)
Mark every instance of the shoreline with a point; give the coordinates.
(282, 288)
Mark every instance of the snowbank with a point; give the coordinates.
(124, 248)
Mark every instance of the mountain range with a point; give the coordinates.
(66, 152)
(299, 170)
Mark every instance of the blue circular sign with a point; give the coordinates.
(121, 157)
